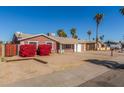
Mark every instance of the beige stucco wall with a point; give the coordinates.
(83, 47)
(3, 50)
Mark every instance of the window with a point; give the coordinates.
(103, 45)
(49, 43)
(68, 46)
(33, 42)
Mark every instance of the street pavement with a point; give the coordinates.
(113, 78)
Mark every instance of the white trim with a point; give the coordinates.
(33, 41)
(79, 47)
(75, 47)
(37, 42)
(50, 42)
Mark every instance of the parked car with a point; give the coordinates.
(116, 46)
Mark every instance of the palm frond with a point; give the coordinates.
(98, 17)
(122, 11)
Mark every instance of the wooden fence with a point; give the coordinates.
(10, 50)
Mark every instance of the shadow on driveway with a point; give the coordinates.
(106, 63)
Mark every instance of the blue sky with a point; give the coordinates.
(36, 20)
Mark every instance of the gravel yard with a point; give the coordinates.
(20, 70)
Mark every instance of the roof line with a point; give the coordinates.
(36, 36)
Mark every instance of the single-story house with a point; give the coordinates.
(59, 44)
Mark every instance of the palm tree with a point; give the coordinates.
(73, 33)
(101, 37)
(93, 39)
(122, 11)
(61, 33)
(98, 17)
(89, 34)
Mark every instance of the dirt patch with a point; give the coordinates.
(20, 70)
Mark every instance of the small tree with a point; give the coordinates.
(89, 34)
(93, 39)
(101, 37)
(61, 33)
(73, 33)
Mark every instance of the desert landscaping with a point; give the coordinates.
(17, 71)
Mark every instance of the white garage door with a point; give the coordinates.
(79, 47)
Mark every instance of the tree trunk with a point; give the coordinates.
(89, 37)
(97, 36)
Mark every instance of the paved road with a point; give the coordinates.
(113, 78)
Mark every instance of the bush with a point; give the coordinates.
(27, 50)
(44, 49)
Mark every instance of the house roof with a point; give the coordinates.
(84, 41)
(22, 35)
(65, 40)
(62, 40)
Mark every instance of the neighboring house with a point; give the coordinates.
(91, 46)
(88, 45)
(59, 44)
